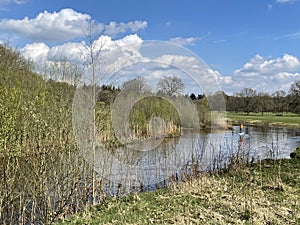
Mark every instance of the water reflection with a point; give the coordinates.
(176, 157)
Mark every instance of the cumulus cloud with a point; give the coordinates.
(77, 51)
(72, 51)
(64, 25)
(185, 41)
(114, 53)
(267, 75)
(285, 75)
(198, 76)
(46, 26)
(36, 52)
(123, 59)
(258, 65)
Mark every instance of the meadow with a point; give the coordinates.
(268, 119)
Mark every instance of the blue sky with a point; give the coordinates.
(247, 43)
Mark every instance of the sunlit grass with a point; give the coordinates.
(285, 119)
(264, 193)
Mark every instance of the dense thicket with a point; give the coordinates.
(40, 171)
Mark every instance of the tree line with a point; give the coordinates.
(249, 100)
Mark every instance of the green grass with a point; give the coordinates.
(286, 119)
(264, 193)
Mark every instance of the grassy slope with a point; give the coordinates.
(291, 120)
(267, 193)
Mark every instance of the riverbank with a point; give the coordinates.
(263, 193)
(268, 119)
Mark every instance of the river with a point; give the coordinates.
(174, 158)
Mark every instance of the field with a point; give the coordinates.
(263, 193)
(270, 119)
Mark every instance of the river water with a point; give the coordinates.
(175, 157)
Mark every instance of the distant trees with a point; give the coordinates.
(247, 99)
(107, 94)
(171, 86)
(136, 84)
(198, 97)
(280, 102)
(263, 103)
(193, 96)
(295, 97)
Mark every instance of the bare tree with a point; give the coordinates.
(295, 88)
(137, 85)
(248, 100)
(264, 102)
(295, 97)
(279, 99)
(93, 49)
(171, 86)
(64, 70)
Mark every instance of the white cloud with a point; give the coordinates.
(115, 54)
(38, 52)
(258, 66)
(114, 28)
(284, 75)
(185, 41)
(267, 75)
(124, 59)
(72, 51)
(6, 2)
(198, 76)
(285, 1)
(295, 35)
(64, 25)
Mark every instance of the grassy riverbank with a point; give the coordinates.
(264, 193)
(270, 119)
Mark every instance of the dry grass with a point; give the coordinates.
(265, 193)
